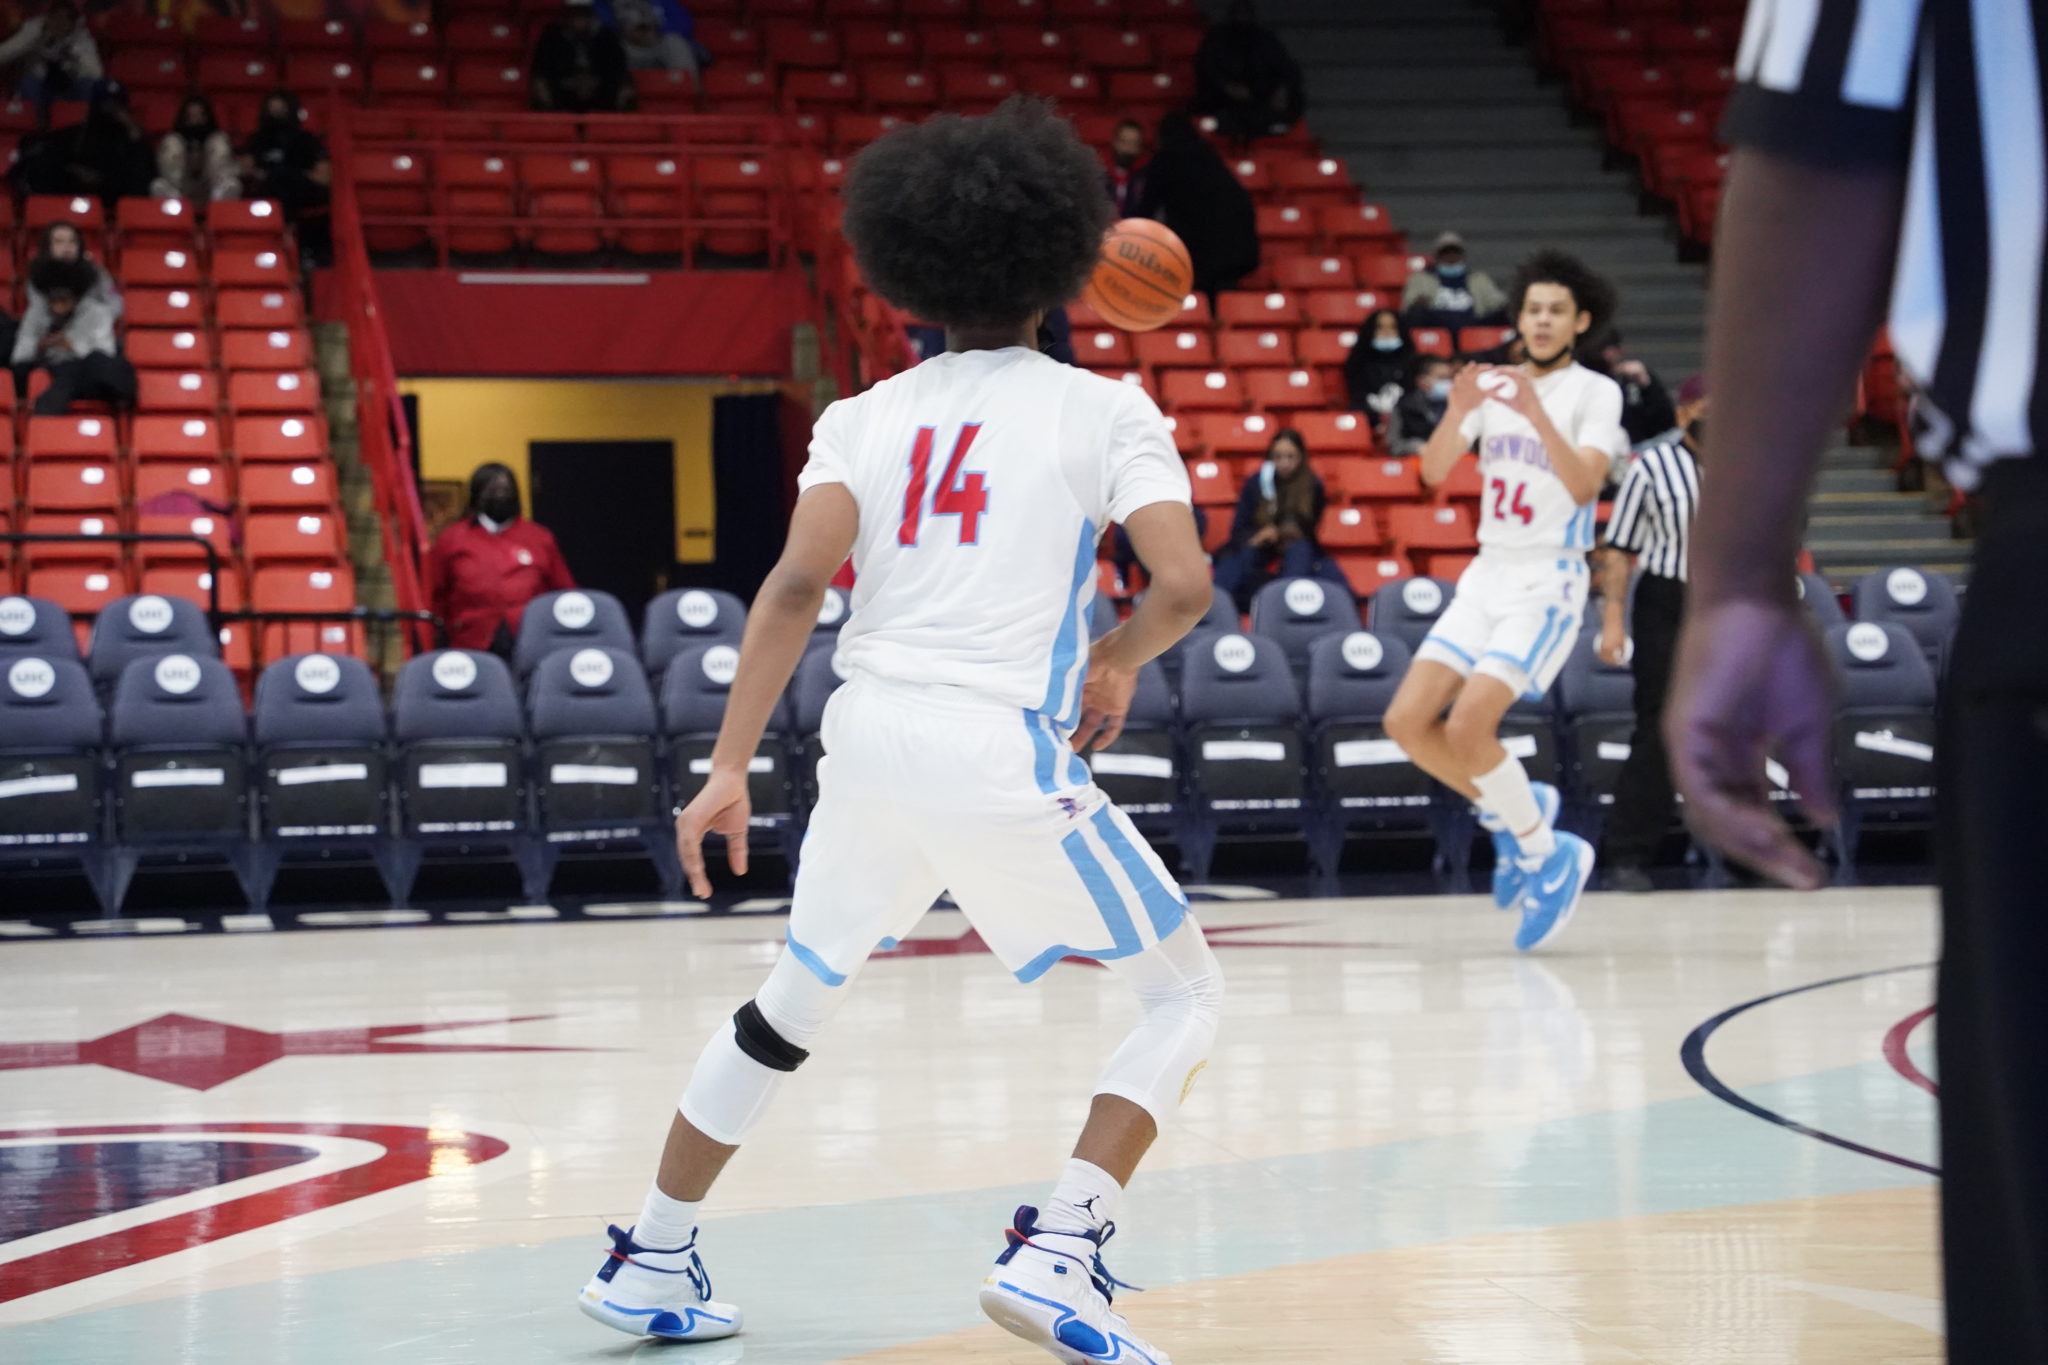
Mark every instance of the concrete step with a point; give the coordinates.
(1482, 79)
(1907, 524)
(1438, 47)
(1286, 13)
(1925, 551)
(1481, 164)
(1856, 457)
(1532, 134)
(1336, 116)
(1857, 481)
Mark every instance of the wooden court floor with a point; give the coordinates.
(1412, 1144)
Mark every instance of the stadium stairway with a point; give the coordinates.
(358, 492)
(1859, 521)
(1443, 121)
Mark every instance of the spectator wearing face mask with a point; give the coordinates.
(1127, 169)
(195, 160)
(1421, 409)
(1449, 293)
(282, 161)
(485, 568)
(52, 57)
(1246, 78)
(1376, 372)
(71, 335)
(1273, 533)
(658, 35)
(1647, 413)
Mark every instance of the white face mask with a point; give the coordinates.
(1386, 343)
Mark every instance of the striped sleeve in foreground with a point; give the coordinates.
(1827, 81)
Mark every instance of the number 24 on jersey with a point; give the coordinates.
(1503, 509)
(962, 495)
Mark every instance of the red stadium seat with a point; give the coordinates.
(1285, 223)
(194, 584)
(976, 92)
(158, 349)
(1240, 434)
(647, 185)
(481, 185)
(1196, 389)
(1335, 433)
(278, 537)
(820, 91)
(204, 480)
(1168, 348)
(283, 348)
(177, 391)
(851, 132)
(80, 589)
(1386, 481)
(1350, 528)
(403, 81)
(1103, 347)
(1055, 82)
(288, 487)
(490, 85)
(279, 438)
(188, 438)
(263, 267)
(1187, 432)
(733, 90)
(790, 45)
(1312, 272)
(222, 32)
(322, 74)
(1411, 529)
(164, 308)
(1356, 223)
(72, 437)
(563, 185)
(485, 36)
(1114, 49)
(1383, 272)
(152, 68)
(1214, 483)
(245, 72)
(1243, 309)
(73, 486)
(1245, 347)
(902, 91)
(949, 42)
(316, 35)
(209, 530)
(1432, 341)
(1463, 483)
(1285, 390)
(1325, 346)
(1150, 88)
(1314, 182)
(731, 40)
(157, 224)
(1346, 308)
(740, 188)
(161, 268)
(878, 40)
(41, 210)
(391, 184)
(415, 37)
(666, 92)
(1475, 340)
(1251, 173)
(301, 588)
(274, 391)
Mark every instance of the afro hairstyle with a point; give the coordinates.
(978, 222)
(52, 276)
(1592, 293)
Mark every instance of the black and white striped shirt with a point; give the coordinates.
(1951, 92)
(1652, 515)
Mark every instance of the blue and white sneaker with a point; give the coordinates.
(1553, 892)
(1051, 1289)
(665, 1294)
(1508, 877)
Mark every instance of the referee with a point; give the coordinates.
(1649, 527)
(1895, 149)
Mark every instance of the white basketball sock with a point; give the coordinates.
(1506, 792)
(1086, 1198)
(665, 1224)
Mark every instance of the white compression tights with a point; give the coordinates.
(1178, 985)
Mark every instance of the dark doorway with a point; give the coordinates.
(612, 507)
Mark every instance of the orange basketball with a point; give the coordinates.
(1142, 280)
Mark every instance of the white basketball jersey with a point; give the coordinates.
(984, 481)
(1525, 506)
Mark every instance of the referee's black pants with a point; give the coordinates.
(1643, 797)
(1992, 1028)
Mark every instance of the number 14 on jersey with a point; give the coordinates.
(958, 495)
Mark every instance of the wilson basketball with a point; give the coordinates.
(1143, 278)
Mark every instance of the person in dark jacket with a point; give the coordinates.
(107, 156)
(1416, 416)
(1127, 168)
(72, 337)
(1191, 190)
(486, 567)
(282, 161)
(1273, 533)
(1376, 372)
(1246, 77)
(1647, 411)
(579, 65)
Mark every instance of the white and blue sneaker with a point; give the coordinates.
(648, 1293)
(1051, 1289)
(1553, 890)
(1508, 876)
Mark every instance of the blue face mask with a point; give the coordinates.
(1441, 389)
(1451, 274)
(1386, 343)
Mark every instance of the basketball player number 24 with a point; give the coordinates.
(958, 495)
(1502, 511)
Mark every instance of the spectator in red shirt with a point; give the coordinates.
(485, 568)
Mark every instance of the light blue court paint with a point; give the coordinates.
(821, 1284)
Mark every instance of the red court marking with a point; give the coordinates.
(410, 1154)
(1902, 1061)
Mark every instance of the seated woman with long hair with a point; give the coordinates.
(1273, 534)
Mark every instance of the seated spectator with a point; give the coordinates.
(1421, 408)
(1190, 189)
(484, 568)
(107, 156)
(195, 160)
(579, 65)
(72, 336)
(1273, 533)
(656, 36)
(1127, 168)
(63, 242)
(282, 161)
(1246, 77)
(1377, 370)
(1647, 412)
(52, 57)
(1449, 293)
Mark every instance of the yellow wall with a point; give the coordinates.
(467, 422)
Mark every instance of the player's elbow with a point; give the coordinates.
(789, 589)
(1184, 594)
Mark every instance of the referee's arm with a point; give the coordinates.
(1617, 561)
(1804, 253)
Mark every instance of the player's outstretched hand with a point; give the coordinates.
(724, 808)
(1752, 681)
(1105, 701)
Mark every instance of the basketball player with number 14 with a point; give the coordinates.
(1546, 432)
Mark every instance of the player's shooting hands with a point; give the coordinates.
(1465, 391)
(1105, 700)
(1752, 682)
(1515, 391)
(724, 808)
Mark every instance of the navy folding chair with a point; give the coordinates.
(693, 697)
(1596, 708)
(179, 743)
(685, 617)
(1920, 600)
(52, 797)
(570, 619)
(1241, 732)
(597, 773)
(38, 626)
(1884, 731)
(130, 628)
(322, 767)
(1297, 612)
(1141, 771)
(1405, 609)
(461, 777)
(1820, 597)
(1362, 779)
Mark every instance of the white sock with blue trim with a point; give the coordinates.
(665, 1224)
(1086, 1198)
(1506, 792)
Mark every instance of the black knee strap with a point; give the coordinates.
(759, 1040)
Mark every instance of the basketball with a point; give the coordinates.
(1142, 280)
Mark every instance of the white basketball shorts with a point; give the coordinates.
(928, 789)
(1514, 617)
